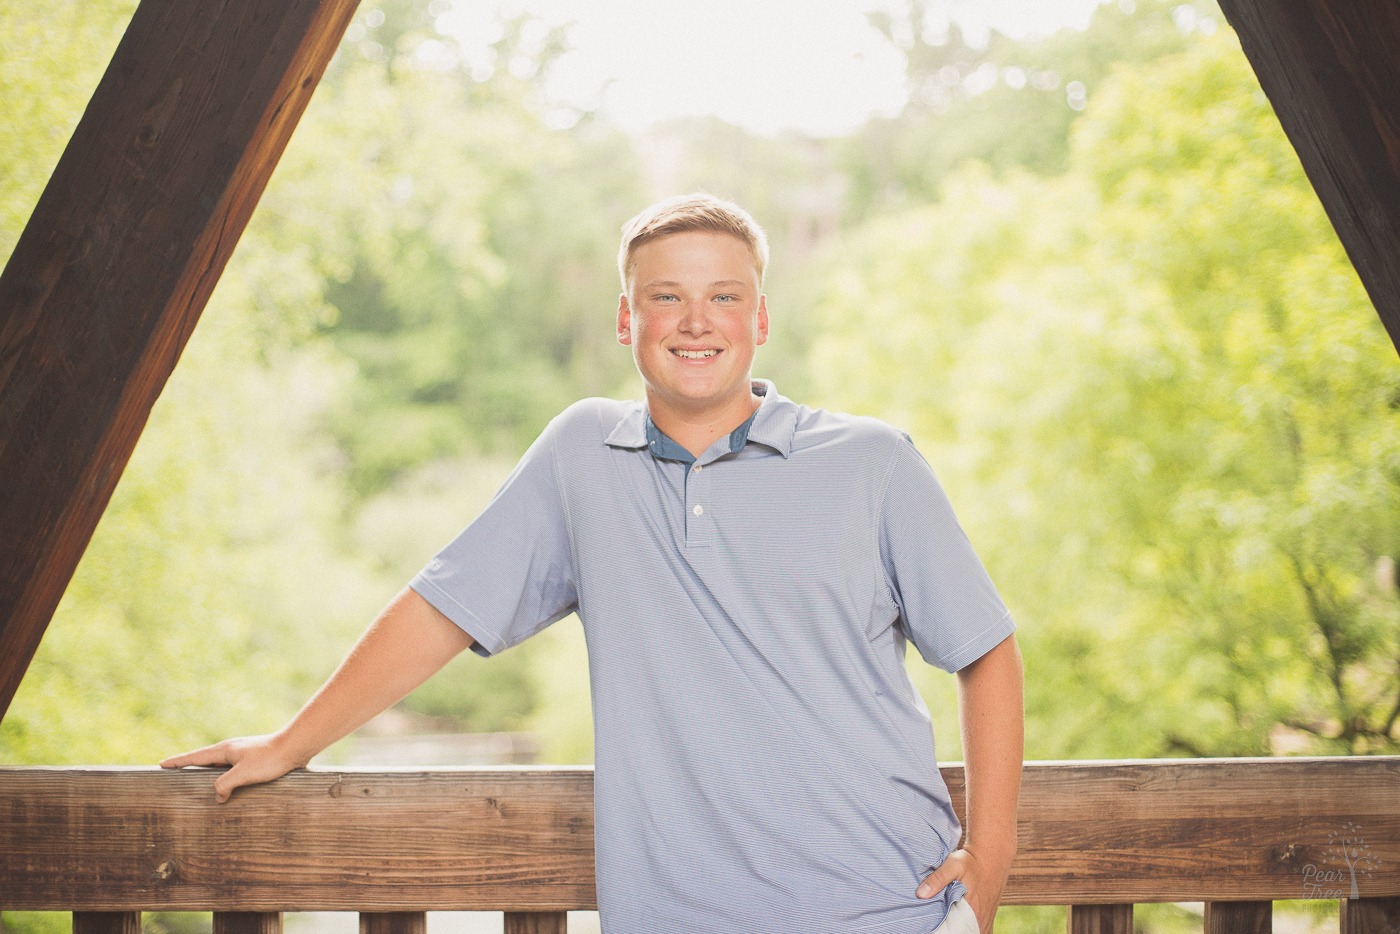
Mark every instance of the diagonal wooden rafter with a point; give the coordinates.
(164, 170)
(118, 260)
(1331, 69)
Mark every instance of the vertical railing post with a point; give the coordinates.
(1370, 916)
(393, 922)
(106, 922)
(1239, 918)
(247, 922)
(1100, 919)
(537, 922)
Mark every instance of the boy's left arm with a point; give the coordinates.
(993, 737)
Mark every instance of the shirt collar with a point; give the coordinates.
(772, 425)
(775, 422)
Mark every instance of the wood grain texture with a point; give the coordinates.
(247, 922)
(312, 841)
(393, 922)
(1331, 71)
(106, 922)
(536, 922)
(522, 840)
(1099, 919)
(1239, 918)
(114, 267)
(1370, 916)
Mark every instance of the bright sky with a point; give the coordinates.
(811, 65)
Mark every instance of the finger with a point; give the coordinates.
(952, 869)
(236, 777)
(250, 769)
(209, 755)
(938, 880)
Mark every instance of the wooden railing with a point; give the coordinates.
(109, 843)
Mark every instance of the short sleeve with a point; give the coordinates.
(509, 573)
(950, 609)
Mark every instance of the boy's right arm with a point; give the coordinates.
(406, 644)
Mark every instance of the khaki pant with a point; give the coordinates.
(960, 920)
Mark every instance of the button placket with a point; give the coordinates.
(699, 526)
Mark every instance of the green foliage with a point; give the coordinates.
(397, 530)
(1008, 104)
(467, 261)
(1118, 324)
(213, 561)
(563, 720)
(54, 55)
(36, 922)
(1157, 392)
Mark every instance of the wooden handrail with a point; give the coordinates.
(1237, 832)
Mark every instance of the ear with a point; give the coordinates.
(624, 320)
(762, 319)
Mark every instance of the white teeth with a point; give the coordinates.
(695, 354)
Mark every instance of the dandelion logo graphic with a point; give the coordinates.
(1345, 847)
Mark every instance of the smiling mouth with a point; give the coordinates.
(695, 354)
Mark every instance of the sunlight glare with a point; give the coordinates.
(814, 66)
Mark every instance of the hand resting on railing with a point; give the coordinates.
(405, 645)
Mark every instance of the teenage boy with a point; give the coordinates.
(748, 572)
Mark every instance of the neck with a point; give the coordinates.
(697, 430)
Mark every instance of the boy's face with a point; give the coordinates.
(693, 316)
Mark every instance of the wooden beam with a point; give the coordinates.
(106, 922)
(1239, 918)
(1219, 830)
(1099, 919)
(116, 264)
(1330, 69)
(247, 922)
(536, 922)
(373, 842)
(1370, 915)
(393, 922)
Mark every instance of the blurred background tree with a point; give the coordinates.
(1129, 374)
(1086, 272)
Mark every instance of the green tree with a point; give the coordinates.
(1168, 416)
(217, 557)
(464, 248)
(1008, 103)
(465, 245)
(55, 54)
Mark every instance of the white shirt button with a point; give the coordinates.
(695, 469)
(698, 510)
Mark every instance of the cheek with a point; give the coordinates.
(647, 328)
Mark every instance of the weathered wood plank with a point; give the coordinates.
(1330, 69)
(393, 922)
(116, 264)
(521, 840)
(247, 922)
(1100, 919)
(330, 841)
(106, 922)
(536, 922)
(1239, 918)
(1370, 916)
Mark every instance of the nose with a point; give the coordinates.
(695, 320)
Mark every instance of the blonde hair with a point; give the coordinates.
(681, 213)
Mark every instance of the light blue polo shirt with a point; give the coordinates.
(763, 763)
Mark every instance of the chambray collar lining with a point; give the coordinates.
(772, 425)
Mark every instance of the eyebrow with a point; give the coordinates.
(670, 284)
